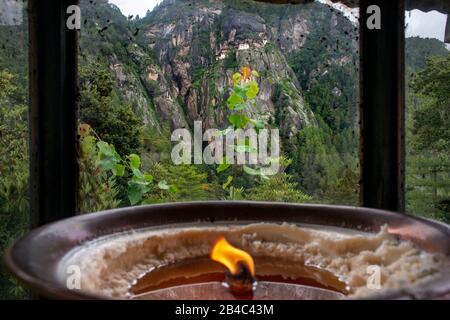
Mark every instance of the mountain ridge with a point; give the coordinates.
(193, 59)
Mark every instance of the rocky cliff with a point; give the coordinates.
(175, 64)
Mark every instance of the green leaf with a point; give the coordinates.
(115, 155)
(233, 100)
(240, 91)
(228, 182)
(118, 170)
(136, 191)
(138, 175)
(222, 167)
(163, 185)
(134, 195)
(252, 90)
(148, 178)
(108, 158)
(135, 161)
(106, 164)
(237, 77)
(174, 189)
(104, 148)
(87, 144)
(238, 120)
(258, 124)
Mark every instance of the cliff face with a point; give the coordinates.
(179, 59)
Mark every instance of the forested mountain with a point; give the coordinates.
(14, 213)
(141, 78)
(173, 67)
(418, 50)
(174, 64)
(427, 128)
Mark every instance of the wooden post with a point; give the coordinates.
(53, 90)
(382, 106)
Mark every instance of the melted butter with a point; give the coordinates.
(203, 270)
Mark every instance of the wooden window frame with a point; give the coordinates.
(54, 95)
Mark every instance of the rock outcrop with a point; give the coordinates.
(186, 52)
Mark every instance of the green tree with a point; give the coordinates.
(14, 174)
(428, 138)
(191, 184)
(112, 118)
(278, 187)
(345, 190)
(316, 162)
(101, 108)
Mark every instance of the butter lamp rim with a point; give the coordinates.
(34, 258)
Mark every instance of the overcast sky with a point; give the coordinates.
(135, 7)
(426, 25)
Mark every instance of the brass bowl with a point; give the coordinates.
(34, 258)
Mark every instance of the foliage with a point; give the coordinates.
(14, 173)
(109, 165)
(433, 81)
(428, 140)
(14, 57)
(6, 86)
(345, 189)
(191, 184)
(325, 158)
(156, 145)
(97, 191)
(418, 49)
(122, 164)
(278, 187)
(230, 61)
(242, 97)
(113, 120)
(329, 88)
(320, 169)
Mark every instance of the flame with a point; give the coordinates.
(230, 256)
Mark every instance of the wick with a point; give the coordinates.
(241, 283)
